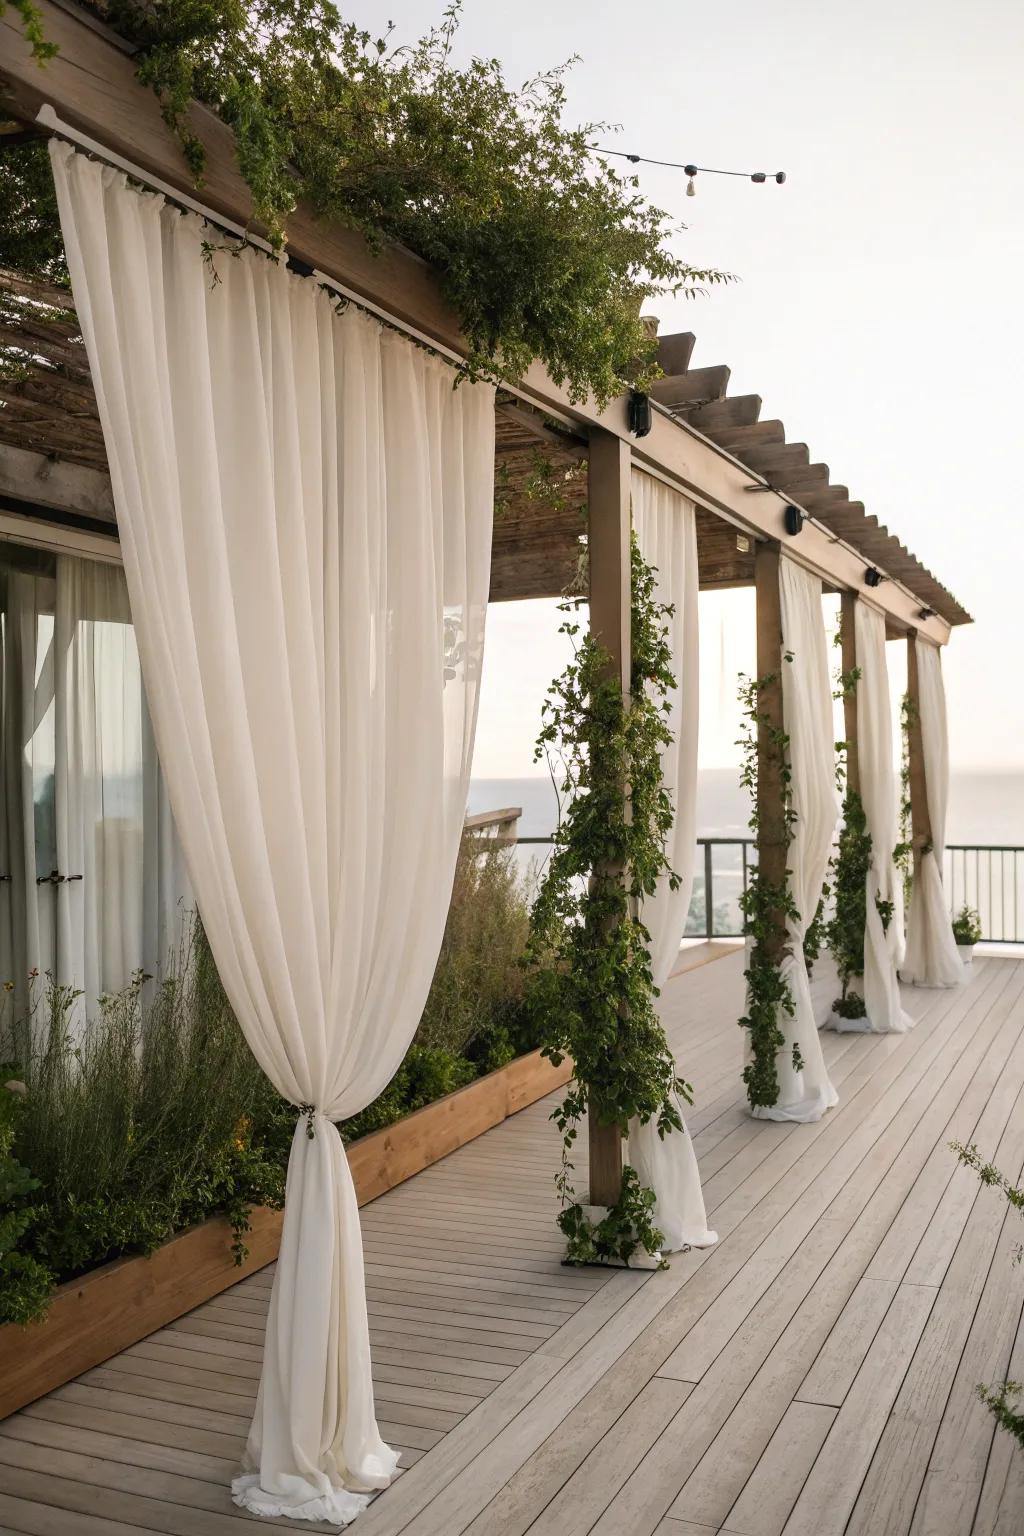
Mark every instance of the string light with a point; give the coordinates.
(691, 170)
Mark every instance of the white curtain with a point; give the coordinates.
(97, 888)
(805, 1092)
(931, 959)
(878, 793)
(666, 531)
(305, 508)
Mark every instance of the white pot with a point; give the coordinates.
(966, 952)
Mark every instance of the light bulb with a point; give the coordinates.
(691, 188)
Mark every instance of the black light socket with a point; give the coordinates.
(873, 578)
(794, 520)
(640, 413)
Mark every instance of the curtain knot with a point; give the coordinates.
(310, 1111)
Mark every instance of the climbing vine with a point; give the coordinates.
(591, 986)
(542, 248)
(765, 905)
(849, 866)
(903, 853)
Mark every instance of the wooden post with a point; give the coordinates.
(609, 550)
(920, 819)
(772, 839)
(847, 632)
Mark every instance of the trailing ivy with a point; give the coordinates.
(541, 248)
(592, 990)
(765, 905)
(903, 853)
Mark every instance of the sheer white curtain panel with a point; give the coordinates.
(665, 525)
(931, 959)
(305, 506)
(878, 791)
(805, 1090)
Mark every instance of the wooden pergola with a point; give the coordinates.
(745, 478)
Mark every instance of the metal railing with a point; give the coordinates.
(990, 879)
(987, 877)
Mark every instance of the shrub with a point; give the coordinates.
(967, 926)
(476, 1004)
(25, 1284)
(850, 1006)
(155, 1119)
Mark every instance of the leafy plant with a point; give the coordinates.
(850, 1006)
(850, 867)
(766, 905)
(1006, 1401)
(967, 926)
(476, 1007)
(25, 1284)
(591, 990)
(903, 853)
(541, 247)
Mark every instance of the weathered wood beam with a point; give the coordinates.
(46, 482)
(811, 477)
(93, 86)
(610, 610)
(736, 411)
(736, 440)
(674, 352)
(773, 459)
(696, 387)
(847, 630)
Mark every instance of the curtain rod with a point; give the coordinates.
(47, 118)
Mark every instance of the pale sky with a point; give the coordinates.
(879, 313)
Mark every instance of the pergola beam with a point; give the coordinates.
(92, 85)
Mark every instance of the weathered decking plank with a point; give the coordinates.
(813, 1373)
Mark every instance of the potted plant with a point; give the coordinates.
(967, 932)
(849, 1012)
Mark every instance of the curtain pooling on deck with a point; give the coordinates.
(878, 792)
(805, 1092)
(305, 509)
(666, 530)
(932, 959)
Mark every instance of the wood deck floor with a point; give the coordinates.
(812, 1374)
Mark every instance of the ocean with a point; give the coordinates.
(985, 807)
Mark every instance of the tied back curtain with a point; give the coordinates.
(305, 508)
(666, 532)
(932, 959)
(805, 1092)
(885, 1013)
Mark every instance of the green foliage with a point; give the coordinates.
(591, 990)
(25, 1284)
(627, 1229)
(109, 1146)
(122, 1131)
(476, 1005)
(967, 926)
(850, 868)
(765, 905)
(30, 238)
(542, 249)
(903, 853)
(850, 1006)
(32, 27)
(1006, 1400)
(427, 1073)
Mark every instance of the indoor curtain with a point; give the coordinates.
(97, 889)
(805, 1093)
(666, 532)
(878, 793)
(931, 958)
(305, 507)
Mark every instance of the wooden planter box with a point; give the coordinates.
(114, 1306)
